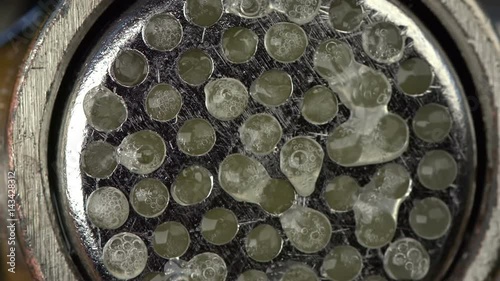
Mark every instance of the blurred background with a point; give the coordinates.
(20, 22)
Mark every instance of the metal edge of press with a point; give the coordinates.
(479, 47)
(39, 231)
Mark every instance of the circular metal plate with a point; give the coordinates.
(126, 34)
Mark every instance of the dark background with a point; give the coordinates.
(492, 8)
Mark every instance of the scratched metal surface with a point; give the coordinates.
(74, 187)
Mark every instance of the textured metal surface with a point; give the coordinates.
(481, 51)
(467, 25)
(38, 228)
(88, 240)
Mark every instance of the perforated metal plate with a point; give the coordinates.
(162, 67)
